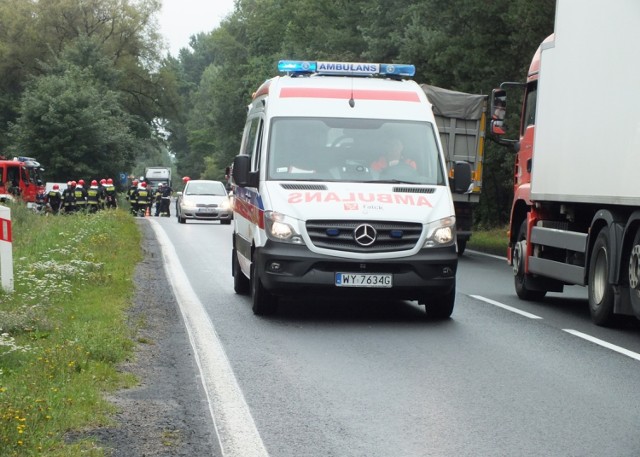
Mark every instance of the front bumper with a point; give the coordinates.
(215, 215)
(287, 269)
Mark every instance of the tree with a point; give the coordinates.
(75, 126)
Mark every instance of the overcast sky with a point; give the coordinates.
(180, 19)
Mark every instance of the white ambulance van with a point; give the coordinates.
(341, 190)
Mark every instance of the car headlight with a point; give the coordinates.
(188, 204)
(278, 229)
(441, 233)
(225, 205)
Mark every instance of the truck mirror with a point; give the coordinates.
(461, 177)
(498, 111)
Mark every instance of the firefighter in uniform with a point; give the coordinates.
(54, 199)
(81, 196)
(94, 197)
(69, 198)
(101, 187)
(110, 195)
(143, 199)
(131, 196)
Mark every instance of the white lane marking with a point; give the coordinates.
(604, 344)
(234, 425)
(507, 307)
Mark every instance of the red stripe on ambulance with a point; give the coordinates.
(346, 94)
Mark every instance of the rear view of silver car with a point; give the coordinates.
(204, 200)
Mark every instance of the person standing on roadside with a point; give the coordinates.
(81, 196)
(94, 199)
(69, 198)
(110, 194)
(54, 199)
(158, 199)
(143, 199)
(131, 196)
(165, 203)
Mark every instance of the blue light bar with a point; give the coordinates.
(346, 68)
(296, 66)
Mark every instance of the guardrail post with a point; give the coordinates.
(6, 253)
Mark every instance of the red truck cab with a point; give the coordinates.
(20, 178)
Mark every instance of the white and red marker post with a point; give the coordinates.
(6, 253)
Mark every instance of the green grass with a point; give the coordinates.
(64, 329)
(493, 241)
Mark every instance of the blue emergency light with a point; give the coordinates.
(299, 67)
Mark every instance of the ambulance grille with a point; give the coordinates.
(339, 235)
(414, 190)
(304, 186)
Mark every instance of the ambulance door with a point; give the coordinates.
(247, 202)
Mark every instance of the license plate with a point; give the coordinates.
(206, 210)
(364, 280)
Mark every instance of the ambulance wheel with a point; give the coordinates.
(519, 276)
(462, 245)
(263, 302)
(240, 281)
(634, 271)
(600, 291)
(441, 306)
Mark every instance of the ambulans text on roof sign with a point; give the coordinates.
(345, 68)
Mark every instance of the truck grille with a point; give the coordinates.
(374, 236)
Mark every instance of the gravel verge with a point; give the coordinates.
(167, 413)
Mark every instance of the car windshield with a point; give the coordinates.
(205, 188)
(355, 150)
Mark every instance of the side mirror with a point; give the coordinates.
(498, 111)
(241, 172)
(461, 182)
(179, 194)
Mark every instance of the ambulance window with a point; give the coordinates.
(251, 135)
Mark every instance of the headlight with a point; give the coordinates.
(188, 203)
(278, 229)
(225, 205)
(441, 233)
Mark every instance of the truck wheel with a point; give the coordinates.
(263, 302)
(462, 245)
(634, 272)
(240, 281)
(441, 306)
(519, 277)
(600, 290)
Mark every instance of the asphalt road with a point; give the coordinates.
(328, 378)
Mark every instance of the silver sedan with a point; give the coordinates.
(204, 200)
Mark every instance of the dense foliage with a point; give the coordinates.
(84, 85)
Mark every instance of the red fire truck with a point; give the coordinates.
(20, 178)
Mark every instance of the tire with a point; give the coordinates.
(441, 306)
(600, 291)
(519, 277)
(462, 245)
(634, 272)
(263, 302)
(241, 284)
(225, 222)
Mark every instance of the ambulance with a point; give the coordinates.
(341, 190)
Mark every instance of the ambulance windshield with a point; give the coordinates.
(354, 150)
